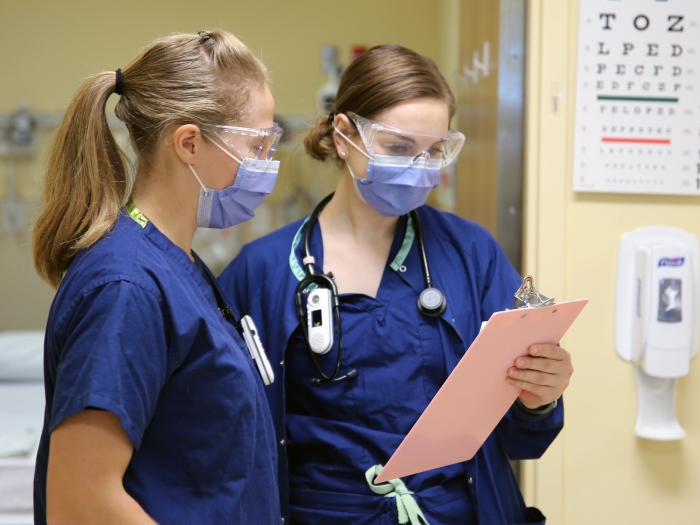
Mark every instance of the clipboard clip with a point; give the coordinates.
(528, 297)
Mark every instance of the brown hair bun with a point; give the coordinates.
(377, 80)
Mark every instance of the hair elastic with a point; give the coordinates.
(119, 84)
(203, 36)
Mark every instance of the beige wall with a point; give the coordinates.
(597, 471)
(48, 47)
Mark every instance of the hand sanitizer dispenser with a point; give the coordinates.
(656, 325)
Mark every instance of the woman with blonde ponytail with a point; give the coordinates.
(155, 411)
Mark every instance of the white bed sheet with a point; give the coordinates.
(17, 518)
(21, 419)
(22, 355)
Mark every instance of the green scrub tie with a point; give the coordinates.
(395, 488)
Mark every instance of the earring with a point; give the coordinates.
(342, 153)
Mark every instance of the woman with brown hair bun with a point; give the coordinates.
(155, 411)
(376, 330)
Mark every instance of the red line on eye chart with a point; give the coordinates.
(636, 141)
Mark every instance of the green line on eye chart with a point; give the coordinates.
(638, 99)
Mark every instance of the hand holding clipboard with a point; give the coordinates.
(544, 374)
(475, 396)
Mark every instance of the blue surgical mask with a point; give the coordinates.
(236, 204)
(393, 190)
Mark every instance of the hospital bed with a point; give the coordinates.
(21, 419)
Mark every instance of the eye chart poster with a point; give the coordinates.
(638, 97)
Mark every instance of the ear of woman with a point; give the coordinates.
(342, 123)
(187, 143)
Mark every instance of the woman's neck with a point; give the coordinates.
(356, 240)
(168, 203)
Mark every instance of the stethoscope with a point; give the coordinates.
(431, 301)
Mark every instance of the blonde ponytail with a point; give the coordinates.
(86, 181)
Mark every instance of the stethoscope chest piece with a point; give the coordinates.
(432, 302)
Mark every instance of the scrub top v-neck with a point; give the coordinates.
(134, 329)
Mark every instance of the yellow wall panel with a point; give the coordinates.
(47, 48)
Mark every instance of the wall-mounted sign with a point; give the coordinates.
(638, 97)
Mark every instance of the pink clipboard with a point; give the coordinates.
(476, 396)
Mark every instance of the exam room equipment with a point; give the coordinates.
(21, 419)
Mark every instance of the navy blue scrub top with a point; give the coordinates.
(330, 435)
(134, 329)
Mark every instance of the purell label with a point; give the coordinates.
(674, 262)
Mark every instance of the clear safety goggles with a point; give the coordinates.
(383, 140)
(249, 144)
